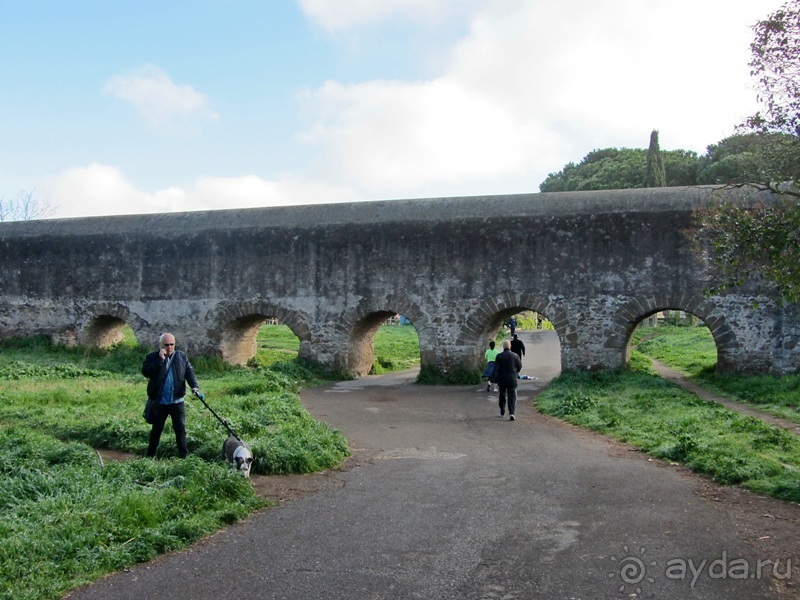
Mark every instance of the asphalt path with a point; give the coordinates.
(446, 500)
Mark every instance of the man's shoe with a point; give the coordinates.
(511, 417)
(502, 415)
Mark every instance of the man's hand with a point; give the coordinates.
(162, 353)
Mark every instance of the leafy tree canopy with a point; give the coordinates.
(775, 63)
(745, 158)
(761, 245)
(739, 159)
(620, 168)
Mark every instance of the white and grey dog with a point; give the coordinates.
(237, 453)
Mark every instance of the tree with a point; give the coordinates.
(25, 207)
(620, 168)
(654, 175)
(762, 243)
(775, 62)
(743, 158)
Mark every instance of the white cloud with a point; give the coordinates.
(386, 135)
(347, 14)
(160, 102)
(93, 190)
(251, 191)
(532, 87)
(104, 190)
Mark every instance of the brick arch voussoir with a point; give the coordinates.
(632, 312)
(92, 331)
(110, 309)
(228, 312)
(369, 306)
(488, 307)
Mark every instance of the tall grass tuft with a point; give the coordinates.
(66, 521)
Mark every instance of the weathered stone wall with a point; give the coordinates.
(595, 263)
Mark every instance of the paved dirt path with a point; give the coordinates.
(445, 500)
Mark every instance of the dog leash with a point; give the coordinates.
(202, 399)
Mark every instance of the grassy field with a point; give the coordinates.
(276, 343)
(691, 350)
(396, 348)
(68, 517)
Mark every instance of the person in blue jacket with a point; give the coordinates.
(168, 371)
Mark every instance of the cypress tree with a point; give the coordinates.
(655, 175)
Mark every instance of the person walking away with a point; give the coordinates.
(512, 325)
(168, 371)
(507, 366)
(517, 347)
(490, 355)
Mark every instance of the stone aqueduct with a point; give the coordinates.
(594, 263)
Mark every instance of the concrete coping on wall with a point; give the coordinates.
(465, 208)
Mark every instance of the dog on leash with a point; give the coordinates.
(236, 452)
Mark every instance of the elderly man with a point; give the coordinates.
(168, 371)
(507, 366)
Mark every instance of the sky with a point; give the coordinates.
(146, 106)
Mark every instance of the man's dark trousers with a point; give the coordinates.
(511, 391)
(177, 412)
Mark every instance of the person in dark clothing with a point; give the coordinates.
(512, 325)
(517, 347)
(507, 366)
(168, 371)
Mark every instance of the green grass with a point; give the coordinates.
(527, 321)
(640, 408)
(276, 343)
(66, 520)
(396, 348)
(691, 350)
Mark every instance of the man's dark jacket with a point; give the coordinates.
(518, 348)
(506, 366)
(155, 369)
